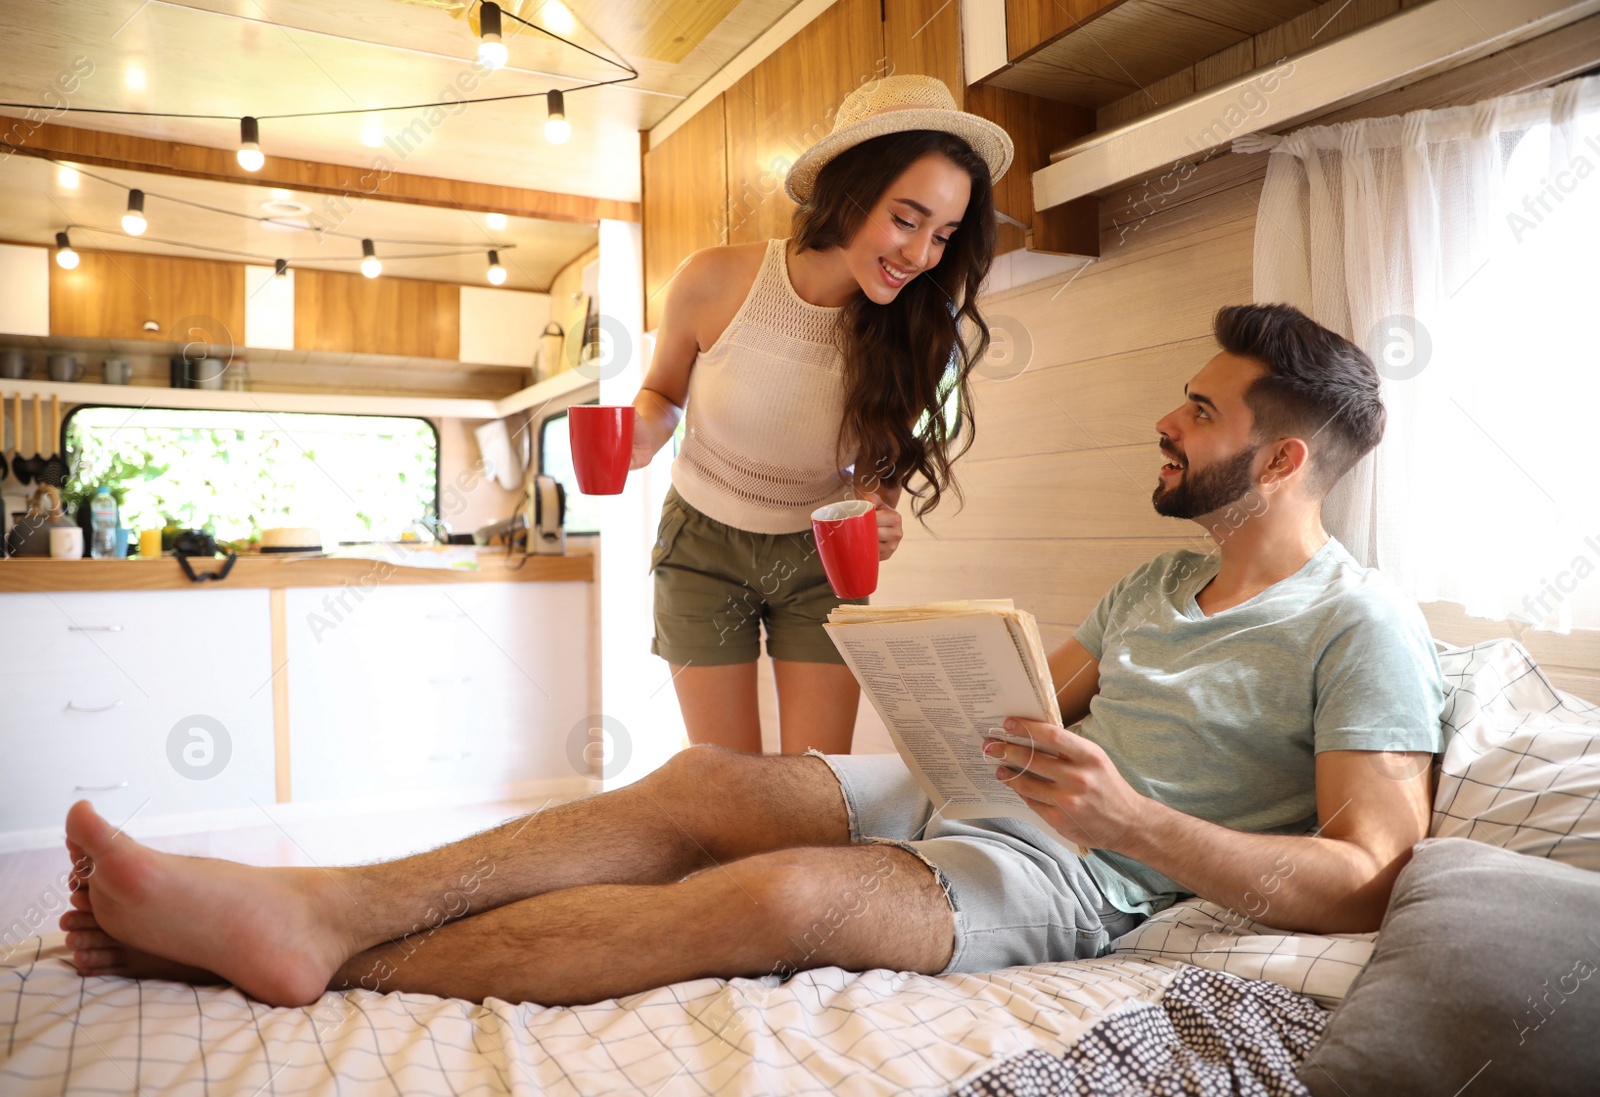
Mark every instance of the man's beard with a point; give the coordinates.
(1207, 490)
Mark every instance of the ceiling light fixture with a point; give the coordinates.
(280, 269)
(495, 220)
(67, 177)
(66, 258)
(369, 260)
(556, 127)
(250, 158)
(133, 222)
(497, 273)
(491, 51)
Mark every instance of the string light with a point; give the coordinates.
(369, 260)
(497, 273)
(133, 222)
(491, 51)
(556, 127)
(250, 157)
(66, 258)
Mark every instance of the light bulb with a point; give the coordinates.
(495, 220)
(497, 273)
(369, 260)
(250, 157)
(133, 222)
(556, 129)
(66, 258)
(491, 51)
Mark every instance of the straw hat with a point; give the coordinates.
(895, 104)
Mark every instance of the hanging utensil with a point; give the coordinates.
(54, 471)
(27, 468)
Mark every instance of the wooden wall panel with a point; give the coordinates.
(110, 295)
(924, 36)
(334, 311)
(1038, 127)
(786, 103)
(685, 200)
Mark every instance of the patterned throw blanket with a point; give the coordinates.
(1209, 1033)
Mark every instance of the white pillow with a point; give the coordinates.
(1202, 933)
(1521, 765)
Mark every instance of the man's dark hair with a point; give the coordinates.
(1319, 386)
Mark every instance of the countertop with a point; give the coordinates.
(21, 574)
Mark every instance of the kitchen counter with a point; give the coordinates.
(25, 574)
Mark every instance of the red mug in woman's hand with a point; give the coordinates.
(602, 445)
(847, 541)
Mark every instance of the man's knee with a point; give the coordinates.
(858, 908)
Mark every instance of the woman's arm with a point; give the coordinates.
(659, 405)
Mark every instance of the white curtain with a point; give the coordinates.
(1460, 249)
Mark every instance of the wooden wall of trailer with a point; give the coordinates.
(1058, 482)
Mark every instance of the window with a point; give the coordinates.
(234, 473)
(555, 459)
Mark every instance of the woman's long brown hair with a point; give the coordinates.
(904, 361)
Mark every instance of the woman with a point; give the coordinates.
(814, 369)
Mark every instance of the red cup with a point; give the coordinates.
(602, 446)
(847, 540)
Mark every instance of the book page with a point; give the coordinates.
(942, 684)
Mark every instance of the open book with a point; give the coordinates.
(944, 677)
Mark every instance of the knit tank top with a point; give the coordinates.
(761, 439)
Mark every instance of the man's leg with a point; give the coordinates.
(282, 934)
(858, 907)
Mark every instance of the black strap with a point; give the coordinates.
(204, 576)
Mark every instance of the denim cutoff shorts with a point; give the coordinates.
(1020, 896)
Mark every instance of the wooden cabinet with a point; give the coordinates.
(1033, 23)
(145, 703)
(685, 201)
(434, 687)
(334, 311)
(111, 296)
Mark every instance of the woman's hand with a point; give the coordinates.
(654, 419)
(890, 527)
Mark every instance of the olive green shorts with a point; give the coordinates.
(718, 586)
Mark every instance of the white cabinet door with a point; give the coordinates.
(432, 687)
(145, 702)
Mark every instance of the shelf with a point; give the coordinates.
(139, 396)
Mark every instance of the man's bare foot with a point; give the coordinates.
(274, 933)
(95, 952)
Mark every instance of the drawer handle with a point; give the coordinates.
(73, 706)
(100, 788)
(94, 628)
(457, 680)
(449, 757)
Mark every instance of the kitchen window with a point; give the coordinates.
(354, 478)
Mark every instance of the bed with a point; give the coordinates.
(1195, 1000)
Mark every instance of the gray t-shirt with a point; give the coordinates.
(1221, 717)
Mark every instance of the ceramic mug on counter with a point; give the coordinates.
(206, 373)
(65, 367)
(13, 365)
(116, 371)
(66, 542)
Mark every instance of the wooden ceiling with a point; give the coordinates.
(262, 57)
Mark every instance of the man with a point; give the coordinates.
(1253, 727)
